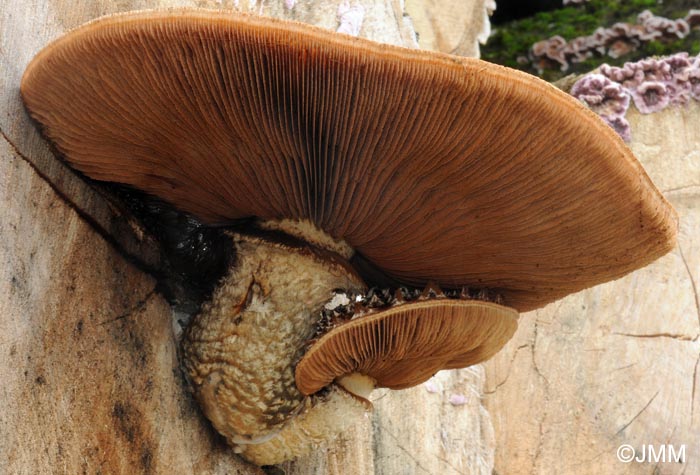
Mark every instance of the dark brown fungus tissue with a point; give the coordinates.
(464, 191)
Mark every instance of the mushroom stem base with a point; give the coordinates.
(358, 384)
(240, 351)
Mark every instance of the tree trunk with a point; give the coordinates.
(91, 379)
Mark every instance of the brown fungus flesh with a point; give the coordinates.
(433, 168)
(405, 344)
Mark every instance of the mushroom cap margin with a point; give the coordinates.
(405, 345)
(495, 179)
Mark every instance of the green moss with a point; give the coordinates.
(514, 39)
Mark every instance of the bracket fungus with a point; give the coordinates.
(464, 191)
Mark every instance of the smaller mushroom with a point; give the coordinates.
(404, 343)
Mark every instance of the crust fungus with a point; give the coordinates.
(606, 98)
(615, 41)
(466, 190)
(652, 84)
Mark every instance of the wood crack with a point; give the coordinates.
(681, 188)
(588, 460)
(534, 359)
(693, 391)
(446, 462)
(407, 452)
(510, 366)
(638, 414)
(135, 308)
(674, 336)
(692, 283)
(540, 440)
(83, 215)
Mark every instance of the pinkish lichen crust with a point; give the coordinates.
(621, 126)
(615, 41)
(651, 96)
(693, 18)
(350, 18)
(694, 79)
(652, 84)
(606, 98)
(601, 94)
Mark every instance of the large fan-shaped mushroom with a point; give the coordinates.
(364, 164)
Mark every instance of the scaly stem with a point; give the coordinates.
(240, 351)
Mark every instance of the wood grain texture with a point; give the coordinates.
(416, 431)
(91, 380)
(451, 27)
(620, 363)
(87, 355)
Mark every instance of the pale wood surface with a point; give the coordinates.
(455, 27)
(416, 431)
(91, 381)
(619, 363)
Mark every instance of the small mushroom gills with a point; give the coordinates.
(407, 204)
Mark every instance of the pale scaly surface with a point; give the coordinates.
(241, 349)
(308, 232)
(321, 420)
